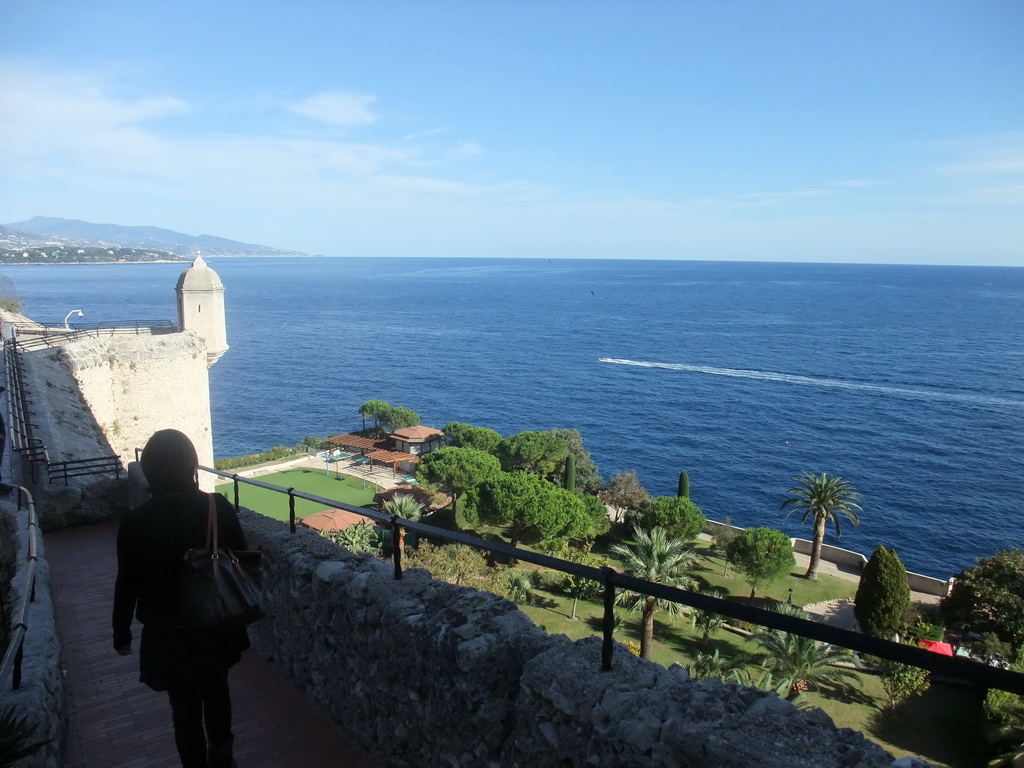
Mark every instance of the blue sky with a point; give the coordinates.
(781, 131)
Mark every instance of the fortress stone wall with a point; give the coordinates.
(106, 395)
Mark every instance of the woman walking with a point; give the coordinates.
(191, 664)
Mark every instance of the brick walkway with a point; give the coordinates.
(117, 722)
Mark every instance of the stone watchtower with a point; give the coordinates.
(201, 308)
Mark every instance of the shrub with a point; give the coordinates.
(276, 453)
(519, 585)
(901, 681)
(989, 597)
(358, 538)
(883, 594)
(1005, 708)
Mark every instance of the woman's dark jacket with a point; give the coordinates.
(151, 543)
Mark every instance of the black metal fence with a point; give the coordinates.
(32, 449)
(958, 668)
(65, 470)
(13, 656)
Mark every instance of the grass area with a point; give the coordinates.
(349, 490)
(712, 571)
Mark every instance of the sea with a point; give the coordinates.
(908, 381)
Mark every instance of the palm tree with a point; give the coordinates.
(797, 663)
(706, 621)
(654, 557)
(726, 668)
(823, 498)
(403, 505)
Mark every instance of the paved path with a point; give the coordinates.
(839, 613)
(117, 722)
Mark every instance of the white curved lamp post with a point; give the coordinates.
(66, 326)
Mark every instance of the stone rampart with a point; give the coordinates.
(41, 696)
(104, 396)
(929, 585)
(135, 385)
(420, 672)
(843, 558)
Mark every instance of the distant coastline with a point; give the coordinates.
(27, 263)
(67, 254)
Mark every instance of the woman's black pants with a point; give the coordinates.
(202, 723)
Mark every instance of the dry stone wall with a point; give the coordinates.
(424, 673)
(41, 698)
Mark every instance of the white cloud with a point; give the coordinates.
(43, 113)
(984, 156)
(342, 108)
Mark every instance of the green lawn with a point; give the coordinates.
(349, 490)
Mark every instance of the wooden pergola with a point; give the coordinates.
(393, 458)
(348, 440)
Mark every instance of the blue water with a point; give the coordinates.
(907, 381)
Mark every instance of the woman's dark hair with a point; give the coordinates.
(169, 462)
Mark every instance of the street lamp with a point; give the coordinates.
(790, 600)
(66, 326)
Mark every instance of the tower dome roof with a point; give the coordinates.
(199, 277)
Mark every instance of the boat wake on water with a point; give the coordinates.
(812, 381)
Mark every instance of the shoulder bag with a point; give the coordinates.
(220, 588)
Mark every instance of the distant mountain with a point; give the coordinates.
(74, 232)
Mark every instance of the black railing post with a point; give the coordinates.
(291, 509)
(396, 544)
(608, 625)
(234, 480)
(18, 659)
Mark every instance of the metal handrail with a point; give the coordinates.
(960, 668)
(13, 656)
(32, 448)
(99, 465)
(42, 335)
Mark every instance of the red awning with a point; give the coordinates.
(933, 645)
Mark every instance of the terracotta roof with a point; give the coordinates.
(348, 440)
(416, 433)
(332, 520)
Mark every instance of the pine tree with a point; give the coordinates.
(883, 595)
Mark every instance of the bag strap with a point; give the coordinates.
(211, 524)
